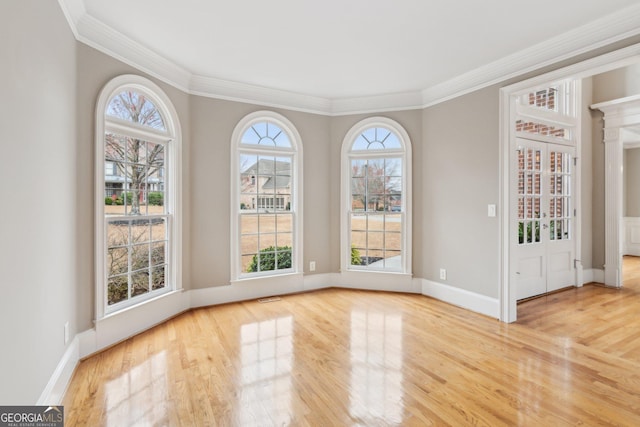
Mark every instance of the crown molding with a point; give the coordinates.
(609, 29)
(115, 44)
(604, 31)
(377, 103)
(73, 10)
(242, 92)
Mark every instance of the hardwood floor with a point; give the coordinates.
(340, 357)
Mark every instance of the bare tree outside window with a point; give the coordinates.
(137, 220)
(136, 160)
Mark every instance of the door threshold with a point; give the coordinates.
(546, 294)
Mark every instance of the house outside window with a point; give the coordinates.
(266, 197)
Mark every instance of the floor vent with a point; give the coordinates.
(270, 299)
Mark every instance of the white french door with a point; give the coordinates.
(543, 229)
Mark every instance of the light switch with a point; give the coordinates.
(491, 211)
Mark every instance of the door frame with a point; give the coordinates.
(587, 68)
(619, 114)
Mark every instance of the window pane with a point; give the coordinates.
(117, 289)
(157, 277)
(140, 282)
(158, 229)
(375, 240)
(114, 147)
(140, 230)
(267, 241)
(284, 240)
(284, 223)
(249, 244)
(376, 222)
(284, 258)
(393, 260)
(248, 224)
(117, 234)
(359, 239)
(392, 241)
(267, 261)
(139, 256)
(267, 223)
(249, 263)
(136, 108)
(117, 261)
(358, 168)
(158, 253)
(358, 222)
(393, 222)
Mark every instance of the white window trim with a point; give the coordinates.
(345, 190)
(296, 191)
(173, 199)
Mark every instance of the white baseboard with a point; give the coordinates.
(57, 385)
(125, 324)
(462, 298)
(389, 282)
(128, 322)
(245, 290)
(593, 275)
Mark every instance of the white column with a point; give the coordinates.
(613, 206)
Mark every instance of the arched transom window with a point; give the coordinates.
(376, 197)
(266, 197)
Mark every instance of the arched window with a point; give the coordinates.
(137, 194)
(266, 195)
(376, 197)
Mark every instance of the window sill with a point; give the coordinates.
(140, 304)
(281, 276)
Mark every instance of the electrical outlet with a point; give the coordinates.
(312, 266)
(443, 274)
(66, 333)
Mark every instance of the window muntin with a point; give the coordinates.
(266, 134)
(376, 138)
(136, 208)
(266, 211)
(375, 167)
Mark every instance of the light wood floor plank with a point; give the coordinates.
(343, 357)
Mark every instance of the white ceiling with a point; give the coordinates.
(334, 52)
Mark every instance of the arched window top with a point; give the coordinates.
(134, 106)
(266, 134)
(377, 138)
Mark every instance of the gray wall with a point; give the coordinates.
(213, 122)
(460, 162)
(39, 240)
(631, 182)
(615, 84)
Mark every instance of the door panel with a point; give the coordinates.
(543, 248)
(561, 245)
